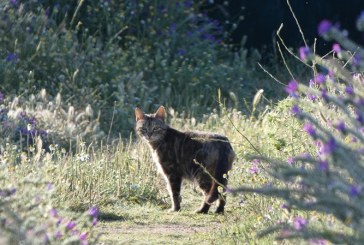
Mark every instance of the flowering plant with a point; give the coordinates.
(328, 177)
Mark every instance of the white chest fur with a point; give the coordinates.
(156, 160)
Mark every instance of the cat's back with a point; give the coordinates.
(213, 147)
(207, 137)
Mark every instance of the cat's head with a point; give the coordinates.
(151, 127)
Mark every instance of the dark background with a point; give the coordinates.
(262, 18)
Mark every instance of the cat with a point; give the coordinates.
(195, 156)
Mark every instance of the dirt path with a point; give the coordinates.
(150, 225)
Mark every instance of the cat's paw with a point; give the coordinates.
(202, 210)
(219, 210)
(172, 210)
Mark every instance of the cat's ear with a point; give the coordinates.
(139, 115)
(160, 113)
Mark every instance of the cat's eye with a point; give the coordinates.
(156, 129)
(142, 130)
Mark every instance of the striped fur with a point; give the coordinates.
(195, 156)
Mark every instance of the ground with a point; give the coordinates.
(151, 223)
(154, 224)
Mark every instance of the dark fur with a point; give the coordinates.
(179, 155)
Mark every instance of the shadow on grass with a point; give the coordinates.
(109, 216)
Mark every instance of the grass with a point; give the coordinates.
(121, 179)
(44, 164)
(274, 134)
(148, 221)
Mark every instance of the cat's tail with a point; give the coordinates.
(224, 164)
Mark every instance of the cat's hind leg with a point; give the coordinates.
(205, 206)
(221, 195)
(221, 204)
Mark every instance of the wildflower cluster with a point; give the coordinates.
(331, 108)
(328, 177)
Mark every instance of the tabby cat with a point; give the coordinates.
(187, 155)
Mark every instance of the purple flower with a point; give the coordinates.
(255, 169)
(299, 223)
(359, 116)
(83, 236)
(70, 225)
(13, 3)
(319, 78)
(285, 206)
(12, 57)
(328, 147)
(53, 212)
(354, 191)
(50, 186)
(341, 127)
(324, 27)
(356, 60)
(93, 212)
(291, 88)
(312, 97)
(304, 52)
(290, 160)
(336, 48)
(58, 235)
(323, 166)
(295, 110)
(23, 131)
(308, 128)
(349, 90)
(324, 95)
(94, 221)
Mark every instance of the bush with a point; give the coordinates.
(327, 179)
(116, 55)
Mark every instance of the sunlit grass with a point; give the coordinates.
(122, 181)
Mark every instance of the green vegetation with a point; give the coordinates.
(71, 167)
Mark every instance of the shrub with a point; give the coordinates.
(116, 55)
(328, 178)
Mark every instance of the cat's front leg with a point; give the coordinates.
(174, 183)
